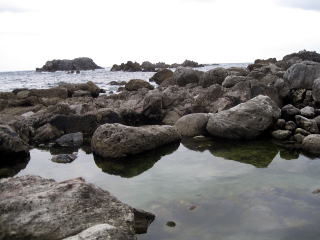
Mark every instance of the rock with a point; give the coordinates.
(244, 121)
(117, 141)
(281, 123)
(192, 125)
(27, 114)
(193, 64)
(171, 224)
(11, 144)
(148, 67)
(183, 76)
(238, 71)
(152, 106)
(64, 158)
(47, 133)
(230, 81)
(316, 90)
(89, 86)
(127, 67)
(317, 119)
(282, 88)
(289, 112)
(81, 93)
(136, 84)
(302, 132)
(68, 65)
(214, 76)
(299, 137)
(307, 112)
(311, 144)
(297, 96)
(304, 56)
(291, 126)
(302, 75)
(307, 124)
(37, 208)
(70, 140)
(171, 118)
(117, 83)
(281, 134)
(107, 115)
(86, 123)
(161, 76)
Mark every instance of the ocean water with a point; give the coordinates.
(102, 77)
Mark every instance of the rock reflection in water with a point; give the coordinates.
(258, 153)
(135, 165)
(11, 166)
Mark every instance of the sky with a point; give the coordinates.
(115, 31)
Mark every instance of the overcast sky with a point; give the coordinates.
(114, 31)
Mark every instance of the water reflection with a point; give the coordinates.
(134, 165)
(10, 166)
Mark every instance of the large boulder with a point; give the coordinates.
(183, 76)
(232, 80)
(117, 140)
(136, 84)
(244, 121)
(37, 208)
(161, 76)
(47, 133)
(192, 125)
(83, 63)
(73, 89)
(56, 92)
(70, 140)
(148, 66)
(127, 67)
(307, 124)
(213, 76)
(316, 90)
(302, 75)
(11, 144)
(311, 144)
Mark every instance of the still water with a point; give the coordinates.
(211, 190)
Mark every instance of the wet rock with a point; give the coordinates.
(11, 144)
(311, 144)
(291, 126)
(289, 112)
(307, 124)
(161, 76)
(302, 75)
(281, 123)
(307, 112)
(183, 76)
(64, 158)
(171, 224)
(230, 81)
(245, 121)
(214, 76)
(281, 134)
(47, 133)
(38, 208)
(70, 140)
(136, 84)
(117, 141)
(192, 125)
(69, 65)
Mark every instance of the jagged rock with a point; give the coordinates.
(47, 133)
(70, 140)
(281, 134)
(37, 208)
(68, 65)
(148, 67)
(117, 141)
(193, 64)
(302, 75)
(183, 76)
(304, 56)
(230, 81)
(245, 121)
(311, 144)
(307, 112)
(289, 112)
(64, 158)
(307, 124)
(161, 76)
(192, 125)
(136, 84)
(213, 76)
(127, 67)
(56, 92)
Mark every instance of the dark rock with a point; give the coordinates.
(189, 63)
(214, 76)
(192, 125)
(281, 134)
(148, 67)
(299, 137)
(142, 220)
(47, 133)
(127, 67)
(245, 121)
(117, 141)
(307, 124)
(64, 158)
(316, 90)
(152, 106)
(281, 123)
(68, 65)
(136, 84)
(307, 112)
(70, 140)
(171, 224)
(291, 126)
(304, 56)
(183, 76)
(289, 112)
(37, 208)
(282, 87)
(230, 81)
(161, 76)
(302, 132)
(107, 115)
(81, 93)
(117, 83)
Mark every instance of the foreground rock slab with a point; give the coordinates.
(117, 140)
(245, 121)
(37, 208)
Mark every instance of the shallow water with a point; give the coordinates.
(209, 188)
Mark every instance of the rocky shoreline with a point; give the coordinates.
(278, 99)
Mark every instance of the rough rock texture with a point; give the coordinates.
(281, 134)
(37, 208)
(316, 90)
(136, 84)
(184, 76)
(230, 81)
(117, 140)
(47, 133)
(192, 125)
(302, 75)
(69, 65)
(309, 125)
(70, 140)
(311, 144)
(214, 76)
(289, 112)
(11, 143)
(245, 121)
(161, 76)
(64, 158)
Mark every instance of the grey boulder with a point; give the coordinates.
(311, 144)
(70, 140)
(117, 140)
(183, 76)
(244, 121)
(192, 125)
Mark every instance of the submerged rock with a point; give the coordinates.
(245, 121)
(64, 158)
(117, 140)
(37, 208)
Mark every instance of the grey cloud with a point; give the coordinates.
(303, 4)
